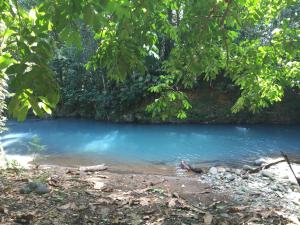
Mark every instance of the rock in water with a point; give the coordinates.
(213, 170)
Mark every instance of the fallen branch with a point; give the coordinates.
(186, 166)
(266, 166)
(95, 168)
(272, 164)
(288, 162)
(158, 182)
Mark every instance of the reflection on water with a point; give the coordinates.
(152, 143)
(15, 142)
(102, 144)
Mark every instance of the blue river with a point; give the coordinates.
(235, 144)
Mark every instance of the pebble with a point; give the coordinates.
(238, 172)
(268, 174)
(230, 177)
(221, 170)
(274, 188)
(213, 170)
(248, 168)
(245, 177)
(279, 194)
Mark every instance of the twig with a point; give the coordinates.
(158, 182)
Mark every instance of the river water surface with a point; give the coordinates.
(88, 141)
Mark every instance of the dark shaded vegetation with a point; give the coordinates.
(200, 61)
(90, 94)
(152, 61)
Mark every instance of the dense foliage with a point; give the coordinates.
(254, 43)
(88, 93)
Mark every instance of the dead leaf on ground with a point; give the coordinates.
(144, 201)
(173, 203)
(208, 218)
(70, 205)
(237, 209)
(54, 181)
(3, 210)
(24, 218)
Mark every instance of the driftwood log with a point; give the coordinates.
(186, 166)
(95, 168)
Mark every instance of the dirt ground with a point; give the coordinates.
(111, 197)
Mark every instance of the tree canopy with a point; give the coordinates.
(255, 43)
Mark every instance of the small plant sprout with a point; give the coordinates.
(35, 147)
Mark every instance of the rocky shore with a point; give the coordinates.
(220, 195)
(273, 190)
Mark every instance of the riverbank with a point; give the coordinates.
(220, 196)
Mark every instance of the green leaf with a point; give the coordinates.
(6, 60)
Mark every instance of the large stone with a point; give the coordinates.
(260, 162)
(32, 185)
(238, 172)
(268, 174)
(98, 185)
(25, 189)
(248, 168)
(245, 177)
(41, 189)
(227, 169)
(213, 170)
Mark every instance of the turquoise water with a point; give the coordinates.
(152, 143)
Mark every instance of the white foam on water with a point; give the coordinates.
(242, 129)
(14, 136)
(102, 144)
